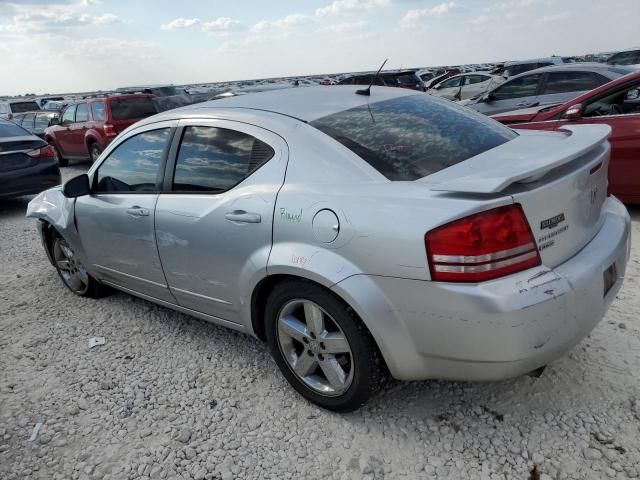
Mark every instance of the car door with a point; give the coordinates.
(624, 167)
(214, 224)
(77, 144)
(116, 222)
(514, 94)
(63, 133)
(560, 87)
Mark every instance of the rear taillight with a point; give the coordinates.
(482, 246)
(44, 152)
(109, 130)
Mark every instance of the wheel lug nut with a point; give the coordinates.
(310, 353)
(322, 345)
(313, 335)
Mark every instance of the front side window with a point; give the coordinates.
(452, 83)
(562, 82)
(42, 120)
(214, 159)
(69, 115)
(82, 113)
(517, 88)
(134, 166)
(410, 137)
(97, 111)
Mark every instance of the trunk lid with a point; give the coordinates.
(559, 178)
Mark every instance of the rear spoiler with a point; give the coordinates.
(524, 159)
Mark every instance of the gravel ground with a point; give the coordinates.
(169, 396)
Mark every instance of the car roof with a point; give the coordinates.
(580, 67)
(306, 104)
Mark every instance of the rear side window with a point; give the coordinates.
(82, 113)
(97, 111)
(562, 82)
(19, 107)
(413, 136)
(214, 159)
(12, 130)
(132, 108)
(517, 88)
(134, 166)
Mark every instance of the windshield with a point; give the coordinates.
(19, 107)
(413, 136)
(130, 108)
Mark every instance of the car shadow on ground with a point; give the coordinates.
(14, 207)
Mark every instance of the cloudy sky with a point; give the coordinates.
(75, 45)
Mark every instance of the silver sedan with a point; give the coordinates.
(358, 235)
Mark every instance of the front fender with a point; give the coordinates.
(52, 207)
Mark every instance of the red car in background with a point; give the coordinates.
(616, 104)
(86, 127)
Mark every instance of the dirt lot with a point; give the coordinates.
(169, 396)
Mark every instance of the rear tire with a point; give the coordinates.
(321, 346)
(72, 272)
(94, 152)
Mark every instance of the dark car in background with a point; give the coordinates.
(9, 108)
(626, 57)
(85, 128)
(28, 164)
(403, 79)
(546, 86)
(35, 122)
(167, 97)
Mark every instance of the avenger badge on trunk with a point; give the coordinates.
(552, 222)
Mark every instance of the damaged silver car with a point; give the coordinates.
(358, 235)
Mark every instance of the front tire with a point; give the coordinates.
(321, 346)
(73, 274)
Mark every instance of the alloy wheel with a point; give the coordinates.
(315, 347)
(71, 270)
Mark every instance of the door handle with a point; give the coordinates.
(136, 211)
(240, 216)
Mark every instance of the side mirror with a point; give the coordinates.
(77, 187)
(54, 121)
(574, 112)
(486, 98)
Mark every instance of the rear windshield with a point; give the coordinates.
(19, 107)
(12, 130)
(129, 108)
(413, 136)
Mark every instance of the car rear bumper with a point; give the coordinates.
(497, 329)
(30, 180)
